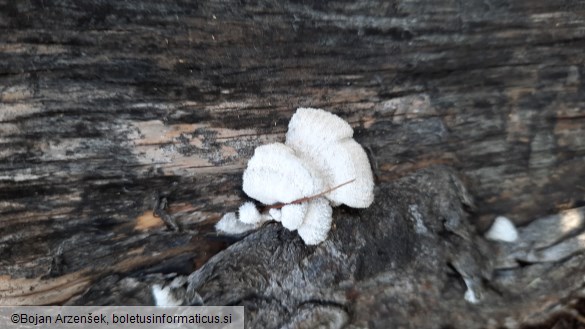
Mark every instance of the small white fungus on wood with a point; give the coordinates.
(319, 155)
(292, 215)
(502, 230)
(317, 222)
(163, 296)
(249, 214)
(275, 174)
(325, 141)
(230, 224)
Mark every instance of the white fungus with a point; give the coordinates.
(275, 174)
(317, 222)
(163, 296)
(249, 214)
(275, 214)
(313, 127)
(502, 230)
(229, 224)
(325, 141)
(319, 155)
(292, 215)
(470, 296)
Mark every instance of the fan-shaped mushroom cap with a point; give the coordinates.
(275, 174)
(319, 154)
(344, 161)
(309, 126)
(292, 215)
(230, 224)
(323, 140)
(249, 214)
(317, 222)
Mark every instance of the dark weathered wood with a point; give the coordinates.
(405, 262)
(104, 103)
(408, 261)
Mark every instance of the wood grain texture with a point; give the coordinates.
(408, 261)
(102, 103)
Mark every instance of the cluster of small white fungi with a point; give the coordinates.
(319, 166)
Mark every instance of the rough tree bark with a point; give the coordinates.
(107, 107)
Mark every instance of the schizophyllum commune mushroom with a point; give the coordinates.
(319, 166)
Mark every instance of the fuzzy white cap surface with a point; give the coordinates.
(319, 154)
(317, 222)
(292, 215)
(249, 214)
(321, 126)
(276, 174)
(324, 142)
(502, 230)
(344, 161)
(229, 224)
